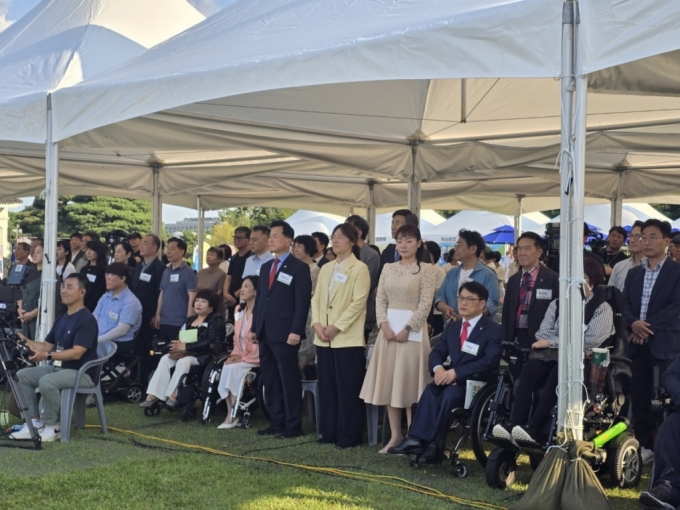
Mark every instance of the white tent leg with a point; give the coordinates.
(201, 231)
(49, 271)
(617, 211)
(371, 213)
(414, 185)
(518, 217)
(566, 92)
(156, 204)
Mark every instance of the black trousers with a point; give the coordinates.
(340, 377)
(282, 384)
(667, 457)
(642, 388)
(534, 373)
(433, 416)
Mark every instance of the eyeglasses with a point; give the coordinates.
(636, 237)
(651, 239)
(467, 299)
(337, 237)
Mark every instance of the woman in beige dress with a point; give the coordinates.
(397, 373)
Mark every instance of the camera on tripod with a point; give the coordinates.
(596, 242)
(114, 237)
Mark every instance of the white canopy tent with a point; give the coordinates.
(600, 215)
(383, 225)
(306, 222)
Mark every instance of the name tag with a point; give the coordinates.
(57, 363)
(340, 278)
(113, 316)
(145, 277)
(470, 348)
(543, 293)
(19, 268)
(174, 278)
(285, 278)
(92, 278)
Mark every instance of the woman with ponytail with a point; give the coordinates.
(338, 316)
(397, 372)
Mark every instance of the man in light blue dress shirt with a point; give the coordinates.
(259, 246)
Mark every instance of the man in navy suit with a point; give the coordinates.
(279, 321)
(652, 310)
(475, 345)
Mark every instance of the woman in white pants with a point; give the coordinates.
(201, 330)
(245, 354)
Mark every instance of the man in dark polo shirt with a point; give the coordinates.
(70, 344)
(178, 289)
(232, 285)
(146, 286)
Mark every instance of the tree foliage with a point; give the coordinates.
(221, 233)
(252, 216)
(670, 210)
(447, 213)
(79, 213)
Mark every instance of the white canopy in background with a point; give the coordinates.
(383, 225)
(600, 215)
(306, 222)
(483, 222)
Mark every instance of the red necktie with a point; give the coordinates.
(272, 273)
(464, 333)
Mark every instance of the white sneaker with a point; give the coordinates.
(24, 433)
(647, 456)
(231, 425)
(50, 433)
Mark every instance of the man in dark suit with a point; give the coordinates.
(400, 218)
(475, 347)
(279, 320)
(146, 286)
(652, 310)
(528, 292)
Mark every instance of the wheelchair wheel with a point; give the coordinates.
(188, 413)
(134, 393)
(501, 468)
(152, 411)
(261, 398)
(625, 464)
(479, 419)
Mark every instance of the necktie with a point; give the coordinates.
(464, 333)
(524, 289)
(272, 273)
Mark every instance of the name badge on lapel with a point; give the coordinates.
(113, 316)
(285, 278)
(92, 278)
(544, 294)
(174, 278)
(340, 278)
(470, 348)
(145, 277)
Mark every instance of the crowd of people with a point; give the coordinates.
(306, 306)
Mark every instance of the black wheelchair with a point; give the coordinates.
(120, 376)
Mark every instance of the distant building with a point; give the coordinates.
(189, 225)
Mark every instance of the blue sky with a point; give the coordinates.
(12, 10)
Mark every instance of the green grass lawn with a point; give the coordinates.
(123, 471)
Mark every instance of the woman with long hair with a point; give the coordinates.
(245, 355)
(94, 270)
(338, 316)
(27, 306)
(124, 254)
(397, 372)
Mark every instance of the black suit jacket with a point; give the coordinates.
(663, 312)
(387, 255)
(147, 292)
(284, 308)
(546, 279)
(486, 333)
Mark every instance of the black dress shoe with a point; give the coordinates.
(321, 440)
(408, 446)
(288, 434)
(269, 431)
(432, 455)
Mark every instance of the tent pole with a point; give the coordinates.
(156, 205)
(617, 211)
(566, 93)
(370, 212)
(49, 271)
(518, 217)
(463, 101)
(201, 231)
(414, 184)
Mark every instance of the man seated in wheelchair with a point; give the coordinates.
(245, 355)
(70, 344)
(118, 312)
(541, 367)
(474, 345)
(192, 348)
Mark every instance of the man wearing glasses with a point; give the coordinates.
(652, 311)
(620, 271)
(232, 284)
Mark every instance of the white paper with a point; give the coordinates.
(397, 319)
(471, 389)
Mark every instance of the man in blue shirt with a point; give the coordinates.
(468, 249)
(259, 247)
(119, 312)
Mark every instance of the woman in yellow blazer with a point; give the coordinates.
(338, 316)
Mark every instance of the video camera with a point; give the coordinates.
(596, 242)
(112, 238)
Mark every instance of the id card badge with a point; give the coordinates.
(470, 348)
(340, 278)
(57, 363)
(113, 316)
(174, 278)
(544, 294)
(19, 268)
(145, 277)
(285, 278)
(92, 278)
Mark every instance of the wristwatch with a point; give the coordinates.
(408, 328)
(49, 356)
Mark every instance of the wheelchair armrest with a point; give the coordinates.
(484, 377)
(621, 359)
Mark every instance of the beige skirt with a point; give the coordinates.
(397, 373)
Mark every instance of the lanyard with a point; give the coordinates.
(63, 331)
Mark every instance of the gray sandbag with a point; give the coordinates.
(582, 489)
(545, 488)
